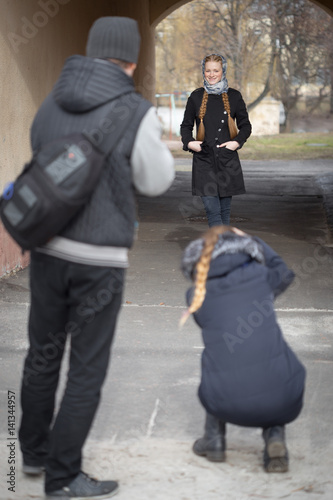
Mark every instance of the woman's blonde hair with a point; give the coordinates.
(203, 108)
(210, 239)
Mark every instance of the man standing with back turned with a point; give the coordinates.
(77, 278)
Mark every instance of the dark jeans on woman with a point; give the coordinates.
(217, 210)
(81, 303)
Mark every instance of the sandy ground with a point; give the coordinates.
(165, 469)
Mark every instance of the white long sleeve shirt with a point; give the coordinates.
(150, 178)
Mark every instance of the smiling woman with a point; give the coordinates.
(216, 170)
(213, 72)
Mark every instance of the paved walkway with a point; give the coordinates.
(150, 414)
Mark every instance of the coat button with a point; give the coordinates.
(222, 121)
(219, 130)
(216, 138)
(225, 112)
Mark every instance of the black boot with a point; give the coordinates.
(275, 452)
(212, 444)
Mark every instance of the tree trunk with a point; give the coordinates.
(331, 83)
(267, 87)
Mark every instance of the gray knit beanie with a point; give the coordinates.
(115, 38)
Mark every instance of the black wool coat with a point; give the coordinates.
(216, 171)
(249, 374)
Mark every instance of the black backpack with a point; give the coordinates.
(57, 182)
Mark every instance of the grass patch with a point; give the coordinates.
(305, 146)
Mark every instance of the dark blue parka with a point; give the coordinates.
(250, 376)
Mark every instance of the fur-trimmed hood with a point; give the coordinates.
(243, 248)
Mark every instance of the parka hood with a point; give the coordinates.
(226, 263)
(87, 83)
(230, 251)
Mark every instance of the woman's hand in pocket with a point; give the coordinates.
(233, 145)
(195, 146)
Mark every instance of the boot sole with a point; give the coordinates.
(216, 457)
(277, 457)
(211, 456)
(277, 464)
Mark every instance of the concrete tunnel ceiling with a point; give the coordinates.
(162, 8)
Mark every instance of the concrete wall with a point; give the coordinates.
(159, 9)
(36, 36)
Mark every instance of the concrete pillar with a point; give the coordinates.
(144, 75)
(36, 36)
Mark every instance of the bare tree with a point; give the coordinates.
(324, 43)
(272, 46)
(234, 29)
(302, 51)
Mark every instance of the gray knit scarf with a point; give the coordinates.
(221, 86)
(228, 243)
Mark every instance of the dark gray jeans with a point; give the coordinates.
(217, 210)
(79, 303)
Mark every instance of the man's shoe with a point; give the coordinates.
(212, 444)
(275, 453)
(32, 470)
(84, 487)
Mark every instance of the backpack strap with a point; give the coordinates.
(112, 126)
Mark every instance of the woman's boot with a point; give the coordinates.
(212, 444)
(275, 452)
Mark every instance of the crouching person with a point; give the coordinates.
(249, 374)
